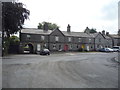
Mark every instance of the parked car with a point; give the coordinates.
(106, 50)
(45, 52)
(116, 48)
(26, 50)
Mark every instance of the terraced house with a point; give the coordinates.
(57, 40)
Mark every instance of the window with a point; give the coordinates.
(70, 46)
(69, 39)
(56, 38)
(77, 46)
(54, 46)
(79, 39)
(99, 39)
(42, 37)
(28, 36)
(89, 40)
(45, 45)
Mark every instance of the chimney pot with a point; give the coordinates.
(68, 28)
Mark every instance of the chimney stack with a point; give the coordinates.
(103, 32)
(45, 27)
(68, 28)
(107, 33)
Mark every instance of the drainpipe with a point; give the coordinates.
(94, 45)
(49, 42)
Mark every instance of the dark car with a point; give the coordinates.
(45, 52)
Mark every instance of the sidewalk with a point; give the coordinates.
(117, 59)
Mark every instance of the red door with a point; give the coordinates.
(66, 47)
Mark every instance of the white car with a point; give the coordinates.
(109, 50)
(106, 50)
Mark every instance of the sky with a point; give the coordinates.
(98, 14)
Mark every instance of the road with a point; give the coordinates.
(65, 70)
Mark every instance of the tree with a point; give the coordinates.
(14, 40)
(88, 30)
(51, 26)
(93, 30)
(14, 15)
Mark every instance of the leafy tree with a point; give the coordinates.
(40, 26)
(14, 15)
(14, 40)
(88, 30)
(93, 30)
(51, 26)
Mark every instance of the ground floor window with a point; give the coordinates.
(77, 46)
(70, 46)
(54, 46)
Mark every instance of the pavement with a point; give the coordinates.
(117, 59)
(67, 70)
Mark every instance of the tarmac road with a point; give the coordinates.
(67, 70)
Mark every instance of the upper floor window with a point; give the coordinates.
(99, 39)
(56, 38)
(28, 36)
(79, 39)
(69, 39)
(42, 37)
(89, 39)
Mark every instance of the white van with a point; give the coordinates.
(116, 48)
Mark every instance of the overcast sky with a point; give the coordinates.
(99, 14)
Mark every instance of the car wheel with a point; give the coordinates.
(48, 53)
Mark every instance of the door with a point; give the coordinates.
(66, 47)
(38, 47)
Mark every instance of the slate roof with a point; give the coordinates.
(36, 31)
(40, 31)
(94, 34)
(114, 36)
(76, 34)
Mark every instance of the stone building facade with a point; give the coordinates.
(57, 40)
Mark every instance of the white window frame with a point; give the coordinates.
(71, 46)
(56, 38)
(79, 39)
(42, 37)
(28, 36)
(69, 39)
(90, 40)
